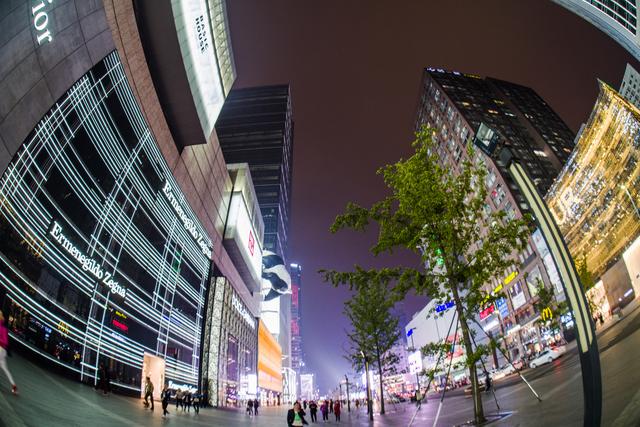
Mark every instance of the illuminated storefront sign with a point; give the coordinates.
(41, 21)
(240, 230)
(88, 263)
(546, 314)
(184, 387)
(189, 224)
(443, 307)
(239, 307)
(415, 362)
(200, 60)
(486, 312)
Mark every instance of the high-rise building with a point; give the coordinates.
(256, 126)
(460, 107)
(297, 362)
(630, 86)
(617, 18)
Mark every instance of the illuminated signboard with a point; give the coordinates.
(200, 60)
(41, 21)
(189, 223)
(415, 362)
(244, 313)
(443, 307)
(486, 312)
(88, 263)
(240, 230)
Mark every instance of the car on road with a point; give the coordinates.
(547, 356)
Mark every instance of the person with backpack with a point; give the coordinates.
(4, 349)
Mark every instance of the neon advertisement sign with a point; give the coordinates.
(88, 264)
(189, 224)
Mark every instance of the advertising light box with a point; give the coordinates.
(241, 232)
(200, 61)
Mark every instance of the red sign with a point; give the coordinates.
(120, 326)
(486, 312)
(252, 242)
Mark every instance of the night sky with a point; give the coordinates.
(355, 69)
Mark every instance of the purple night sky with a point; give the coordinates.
(354, 69)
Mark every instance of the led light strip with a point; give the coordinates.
(27, 207)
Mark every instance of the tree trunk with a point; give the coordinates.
(381, 386)
(478, 411)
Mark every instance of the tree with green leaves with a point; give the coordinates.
(374, 330)
(438, 212)
(586, 278)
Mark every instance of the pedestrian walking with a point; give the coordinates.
(295, 416)
(4, 349)
(304, 404)
(179, 395)
(148, 393)
(256, 403)
(250, 407)
(196, 401)
(104, 382)
(331, 406)
(357, 404)
(324, 408)
(487, 381)
(187, 400)
(164, 396)
(336, 410)
(313, 408)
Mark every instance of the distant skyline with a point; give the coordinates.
(355, 69)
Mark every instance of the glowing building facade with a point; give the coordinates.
(595, 198)
(114, 195)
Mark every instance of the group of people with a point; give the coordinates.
(184, 399)
(252, 406)
(296, 415)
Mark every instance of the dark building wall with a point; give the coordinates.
(256, 126)
(33, 76)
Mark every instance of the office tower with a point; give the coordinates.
(460, 107)
(630, 86)
(617, 18)
(256, 127)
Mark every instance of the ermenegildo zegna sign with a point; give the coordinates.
(101, 253)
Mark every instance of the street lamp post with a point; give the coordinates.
(348, 398)
(527, 195)
(366, 370)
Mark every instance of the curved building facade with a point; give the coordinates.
(112, 207)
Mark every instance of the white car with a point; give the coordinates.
(547, 356)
